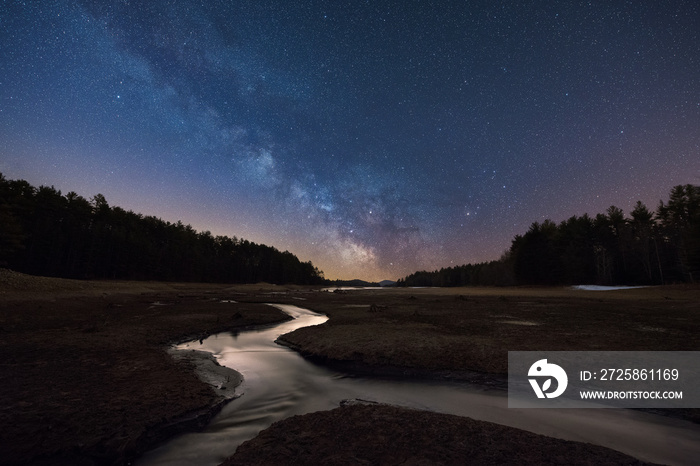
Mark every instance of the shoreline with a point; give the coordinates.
(369, 433)
(486, 380)
(223, 380)
(261, 445)
(105, 349)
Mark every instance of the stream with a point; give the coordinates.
(279, 383)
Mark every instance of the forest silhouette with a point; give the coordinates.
(609, 249)
(43, 232)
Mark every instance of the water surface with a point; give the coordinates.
(278, 383)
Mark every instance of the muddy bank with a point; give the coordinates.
(281, 384)
(86, 376)
(381, 434)
(440, 330)
(87, 380)
(465, 334)
(222, 380)
(361, 368)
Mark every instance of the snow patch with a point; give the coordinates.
(604, 288)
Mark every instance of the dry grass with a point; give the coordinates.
(86, 378)
(390, 435)
(85, 375)
(452, 332)
(464, 329)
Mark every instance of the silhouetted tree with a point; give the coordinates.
(535, 253)
(680, 223)
(608, 249)
(642, 227)
(45, 233)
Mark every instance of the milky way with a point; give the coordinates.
(374, 138)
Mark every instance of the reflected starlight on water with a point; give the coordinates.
(279, 383)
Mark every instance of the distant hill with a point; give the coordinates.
(357, 283)
(360, 283)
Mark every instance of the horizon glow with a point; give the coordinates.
(373, 139)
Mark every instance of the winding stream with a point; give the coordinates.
(279, 383)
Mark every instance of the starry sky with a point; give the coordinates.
(374, 138)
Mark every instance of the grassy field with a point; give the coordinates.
(472, 329)
(84, 369)
(86, 376)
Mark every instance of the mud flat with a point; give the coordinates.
(466, 333)
(86, 374)
(222, 379)
(381, 434)
(87, 378)
(281, 385)
(456, 331)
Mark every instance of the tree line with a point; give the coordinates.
(645, 248)
(43, 232)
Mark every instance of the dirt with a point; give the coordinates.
(463, 330)
(86, 376)
(466, 333)
(388, 435)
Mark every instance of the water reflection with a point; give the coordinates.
(279, 383)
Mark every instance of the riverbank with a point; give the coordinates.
(472, 329)
(87, 378)
(390, 435)
(465, 333)
(222, 380)
(86, 375)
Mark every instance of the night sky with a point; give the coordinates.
(374, 138)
